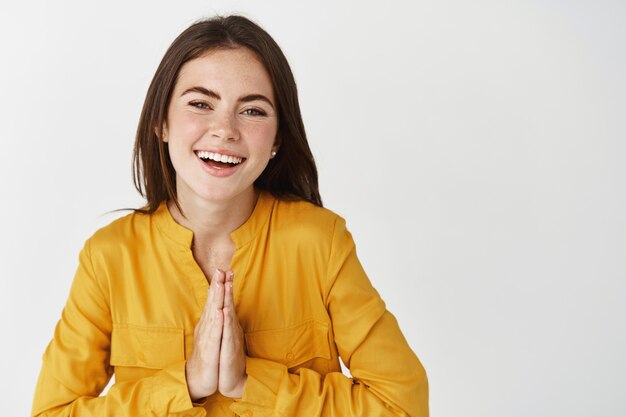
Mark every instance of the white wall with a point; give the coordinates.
(476, 148)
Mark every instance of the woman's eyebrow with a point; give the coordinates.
(254, 97)
(244, 99)
(202, 90)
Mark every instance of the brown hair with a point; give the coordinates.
(290, 175)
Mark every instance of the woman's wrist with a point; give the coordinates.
(197, 392)
(239, 390)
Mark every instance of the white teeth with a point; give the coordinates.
(219, 157)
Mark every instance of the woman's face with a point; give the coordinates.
(221, 125)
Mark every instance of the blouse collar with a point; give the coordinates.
(241, 236)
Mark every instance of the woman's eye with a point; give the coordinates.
(254, 112)
(199, 105)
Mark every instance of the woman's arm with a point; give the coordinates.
(76, 363)
(387, 377)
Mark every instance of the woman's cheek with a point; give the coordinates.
(192, 125)
(262, 131)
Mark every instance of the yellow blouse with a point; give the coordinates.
(302, 299)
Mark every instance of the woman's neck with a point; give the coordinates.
(213, 221)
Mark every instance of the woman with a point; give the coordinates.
(232, 292)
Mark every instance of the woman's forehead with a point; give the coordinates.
(236, 69)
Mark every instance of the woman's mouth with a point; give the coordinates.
(219, 161)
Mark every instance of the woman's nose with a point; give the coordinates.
(223, 126)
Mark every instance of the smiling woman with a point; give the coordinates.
(232, 291)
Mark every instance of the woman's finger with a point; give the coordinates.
(217, 283)
(215, 298)
(232, 375)
(228, 290)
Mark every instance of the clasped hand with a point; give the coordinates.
(218, 361)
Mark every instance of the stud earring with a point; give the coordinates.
(273, 154)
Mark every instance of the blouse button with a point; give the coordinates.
(142, 357)
(289, 357)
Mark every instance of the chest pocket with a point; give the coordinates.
(303, 345)
(146, 347)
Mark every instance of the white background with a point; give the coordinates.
(477, 150)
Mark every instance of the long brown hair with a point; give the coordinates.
(290, 175)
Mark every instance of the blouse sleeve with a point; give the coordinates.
(76, 365)
(387, 377)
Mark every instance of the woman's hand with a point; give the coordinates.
(203, 364)
(232, 372)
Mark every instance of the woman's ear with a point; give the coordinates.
(274, 150)
(275, 147)
(164, 132)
